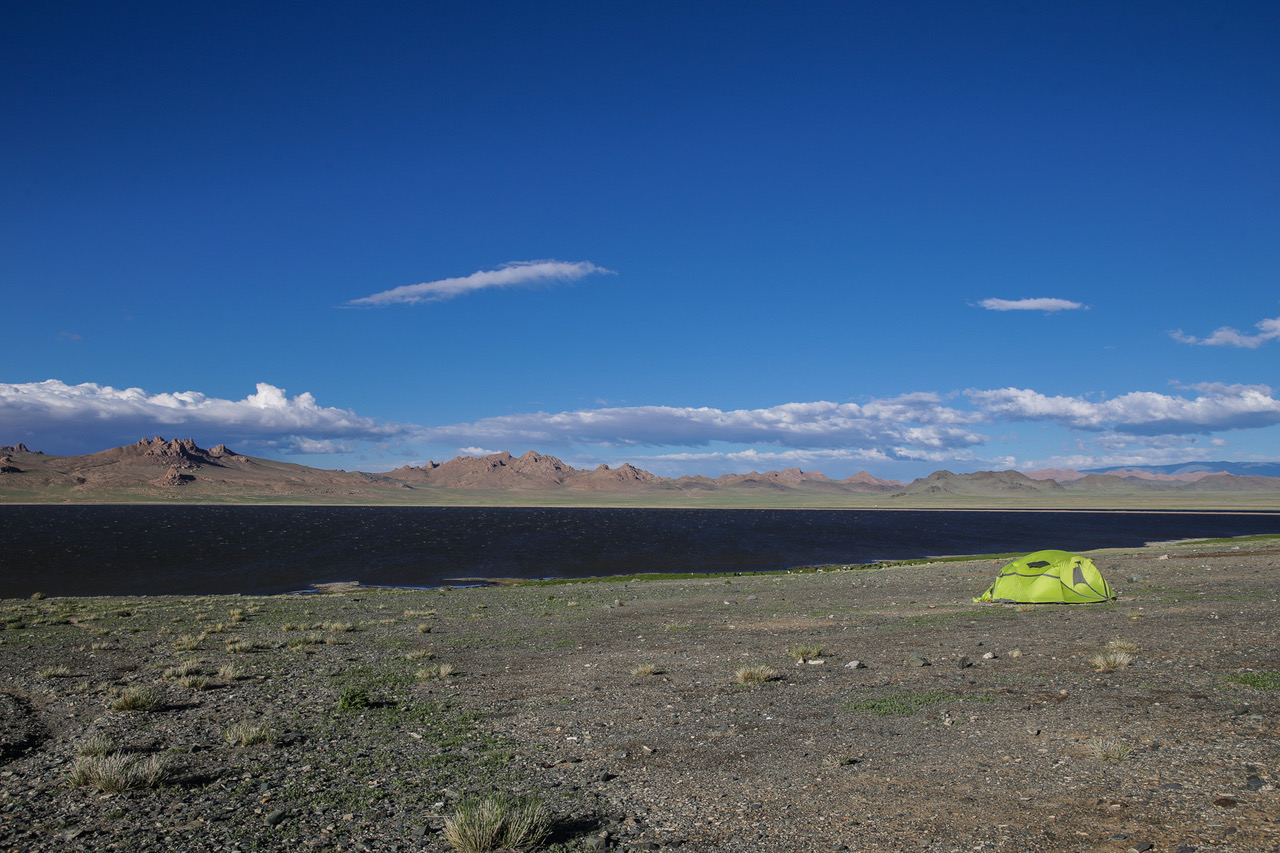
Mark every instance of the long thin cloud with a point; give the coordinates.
(515, 274)
(1226, 336)
(1045, 304)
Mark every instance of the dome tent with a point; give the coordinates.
(1049, 577)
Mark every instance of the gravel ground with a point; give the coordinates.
(961, 727)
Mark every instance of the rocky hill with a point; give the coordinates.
(158, 470)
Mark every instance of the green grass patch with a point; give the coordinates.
(1257, 680)
(903, 704)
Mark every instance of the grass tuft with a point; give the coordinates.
(803, 653)
(497, 822)
(1108, 749)
(757, 674)
(1111, 661)
(246, 733)
(138, 699)
(97, 745)
(116, 772)
(354, 699)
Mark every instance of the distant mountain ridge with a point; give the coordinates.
(1239, 469)
(156, 469)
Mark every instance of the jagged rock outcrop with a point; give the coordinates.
(175, 477)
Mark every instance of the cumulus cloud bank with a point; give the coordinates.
(1226, 336)
(1218, 407)
(91, 417)
(924, 427)
(515, 274)
(1046, 305)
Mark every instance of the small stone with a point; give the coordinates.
(855, 664)
(916, 660)
(963, 662)
(596, 842)
(989, 656)
(1136, 578)
(1015, 653)
(275, 818)
(1141, 848)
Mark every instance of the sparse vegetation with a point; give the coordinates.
(354, 699)
(1257, 680)
(802, 653)
(138, 699)
(97, 745)
(497, 822)
(903, 704)
(1108, 749)
(647, 669)
(248, 733)
(1111, 661)
(443, 670)
(115, 772)
(59, 671)
(757, 674)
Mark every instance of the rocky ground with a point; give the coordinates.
(961, 727)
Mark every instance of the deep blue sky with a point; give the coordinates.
(779, 229)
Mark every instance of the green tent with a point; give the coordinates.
(1046, 577)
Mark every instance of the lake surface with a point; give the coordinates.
(133, 550)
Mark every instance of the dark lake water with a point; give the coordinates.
(130, 550)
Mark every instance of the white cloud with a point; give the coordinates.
(515, 274)
(88, 417)
(1229, 337)
(1044, 304)
(915, 421)
(1218, 407)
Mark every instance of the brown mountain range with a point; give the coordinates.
(158, 470)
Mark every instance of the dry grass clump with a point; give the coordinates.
(757, 674)
(193, 682)
(237, 615)
(137, 699)
(647, 669)
(115, 772)
(1119, 645)
(97, 745)
(430, 673)
(241, 647)
(1108, 749)
(247, 733)
(497, 822)
(189, 642)
(230, 672)
(802, 653)
(339, 627)
(1111, 661)
(182, 670)
(420, 654)
(60, 671)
